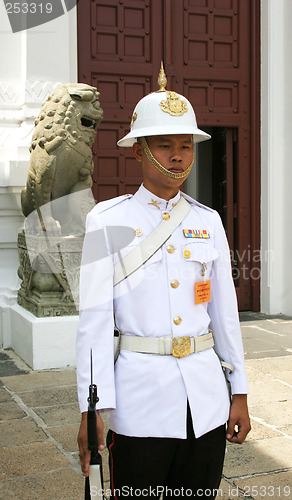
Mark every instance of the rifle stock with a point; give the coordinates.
(93, 483)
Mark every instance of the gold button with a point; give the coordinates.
(177, 320)
(138, 231)
(187, 253)
(170, 249)
(165, 216)
(174, 283)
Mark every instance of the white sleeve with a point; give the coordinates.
(96, 318)
(223, 311)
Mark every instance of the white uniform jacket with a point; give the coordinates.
(146, 393)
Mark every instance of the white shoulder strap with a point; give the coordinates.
(152, 243)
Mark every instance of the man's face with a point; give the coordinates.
(173, 152)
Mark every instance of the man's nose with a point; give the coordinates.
(176, 155)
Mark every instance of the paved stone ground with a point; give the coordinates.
(39, 421)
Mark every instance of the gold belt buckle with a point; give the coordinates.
(181, 346)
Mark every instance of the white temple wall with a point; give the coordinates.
(33, 63)
(276, 146)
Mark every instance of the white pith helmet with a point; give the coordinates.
(163, 113)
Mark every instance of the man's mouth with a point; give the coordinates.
(176, 170)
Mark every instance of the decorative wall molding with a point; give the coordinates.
(19, 106)
(7, 136)
(18, 103)
(37, 92)
(13, 137)
(15, 96)
(9, 94)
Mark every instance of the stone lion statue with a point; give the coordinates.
(61, 156)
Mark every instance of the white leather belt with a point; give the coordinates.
(167, 345)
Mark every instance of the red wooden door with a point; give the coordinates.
(210, 50)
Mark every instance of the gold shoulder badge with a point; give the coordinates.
(174, 105)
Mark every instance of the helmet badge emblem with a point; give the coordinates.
(134, 118)
(173, 104)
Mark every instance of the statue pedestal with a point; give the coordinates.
(43, 343)
(51, 287)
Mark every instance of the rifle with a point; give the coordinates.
(93, 483)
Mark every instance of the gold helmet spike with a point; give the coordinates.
(162, 80)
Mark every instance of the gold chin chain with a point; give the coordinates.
(158, 165)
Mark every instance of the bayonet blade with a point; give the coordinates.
(91, 367)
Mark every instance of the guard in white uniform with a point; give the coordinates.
(174, 304)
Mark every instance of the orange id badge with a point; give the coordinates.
(202, 292)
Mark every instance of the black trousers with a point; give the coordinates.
(148, 467)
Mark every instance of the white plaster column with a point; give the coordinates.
(33, 63)
(287, 187)
(276, 145)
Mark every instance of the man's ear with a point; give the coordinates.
(138, 151)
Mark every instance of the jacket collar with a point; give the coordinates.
(154, 202)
